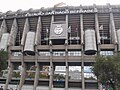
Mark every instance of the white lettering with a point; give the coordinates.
(66, 12)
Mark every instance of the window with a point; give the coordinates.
(74, 72)
(44, 53)
(74, 53)
(59, 73)
(59, 53)
(106, 53)
(88, 74)
(16, 53)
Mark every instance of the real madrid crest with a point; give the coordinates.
(58, 29)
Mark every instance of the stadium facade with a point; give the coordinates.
(56, 47)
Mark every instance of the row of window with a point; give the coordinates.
(62, 53)
(59, 72)
(77, 69)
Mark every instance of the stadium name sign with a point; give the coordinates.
(65, 12)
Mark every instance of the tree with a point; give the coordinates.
(3, 60)
(107, 70)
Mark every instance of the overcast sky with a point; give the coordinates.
(14, 5)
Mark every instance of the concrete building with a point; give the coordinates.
(38, 41)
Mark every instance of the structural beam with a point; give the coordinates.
(3, 28)
(51, 61)
(13, 33)
(97, 29)
(10, 71)
(38, 33)
(37, 72)
(25, 30)
(66, 59)
(23, 71)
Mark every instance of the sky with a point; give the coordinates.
(14, 5)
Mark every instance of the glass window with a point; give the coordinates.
(60, 68)
(74, 72)
(106, 53)
(88, 74)
(59, 73)
(74, 53)
(44, 53)
(16, 53)
(59, 53)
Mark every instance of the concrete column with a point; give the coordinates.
(9, 76)
(22, 78)
(36, 77)
(38, 32)
(97, 28)
(113, 32)
(13, 33)
(51, 60)
(97, 31)
(37, 73)
(82, 68)
(66, 58)
(82, 51)
(25, 31)
(82, 75)
(51, 68)
(3, 28)
(67, 68)
(81, 27)
(37, 42)
(23, 72)
(10, 69)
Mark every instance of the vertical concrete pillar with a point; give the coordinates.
(82, 73)
(13, 33)
(66, 59)
(3, 28)
(38, 33)
(97, 31)
(25, 31)
(82, 52)
(22, 78)
(9, 76)
(81, 28)
(97, 28)
(51, 60)
(51, 68)
(37, 42)
(113, 31)
(23, 72)
(37, 70)
(113, 35)
(67, 67)
(10, 70)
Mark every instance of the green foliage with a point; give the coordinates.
(3, 60)
(44, 76)
(31, 75)
(107, 69)
(16, 74)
